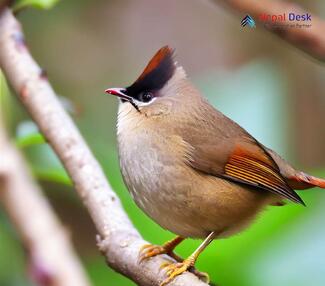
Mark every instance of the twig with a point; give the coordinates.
(311, 40)
(118, 239)
(51, 258)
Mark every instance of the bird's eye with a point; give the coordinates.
(145, 96)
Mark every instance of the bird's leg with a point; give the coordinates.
(175, 269)
(150, 250)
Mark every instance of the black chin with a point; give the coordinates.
(131, 102)
(135, 106)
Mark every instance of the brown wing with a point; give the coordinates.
(222, 148)
(253, 166)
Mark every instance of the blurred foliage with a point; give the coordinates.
(38, 4)
(28, 135)
(284, 247)
(4, 98)
(32, 139)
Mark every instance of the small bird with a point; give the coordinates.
(190, 168)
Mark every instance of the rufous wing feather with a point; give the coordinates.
(251, 165)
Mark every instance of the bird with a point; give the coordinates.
(189, 167)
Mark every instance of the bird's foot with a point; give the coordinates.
(150, 250)
(175, 269)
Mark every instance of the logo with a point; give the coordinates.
(286, 20)
(279, 21)
(248, 21)
(284, 17)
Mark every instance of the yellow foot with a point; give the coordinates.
(203, 276)
(149, 250)
(175, 269)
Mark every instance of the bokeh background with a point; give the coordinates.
(273, 90)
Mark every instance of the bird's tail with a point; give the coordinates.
(301, 181)
(297, 180)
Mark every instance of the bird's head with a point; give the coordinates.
(158, 86)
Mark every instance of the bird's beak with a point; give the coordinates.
(119, 92)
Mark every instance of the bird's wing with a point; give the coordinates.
(236, 156)
(249, 163)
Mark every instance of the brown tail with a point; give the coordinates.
(302, 181)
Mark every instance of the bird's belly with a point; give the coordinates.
(187, 202)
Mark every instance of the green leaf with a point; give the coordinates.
(54, 175)
(38, 4)
(28, 135)
(29, 140)
(4, 101)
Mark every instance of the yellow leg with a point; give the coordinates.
(175, 269)
(150, 250)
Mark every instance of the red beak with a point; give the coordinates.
(119, 92)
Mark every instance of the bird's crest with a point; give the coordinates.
(156, 74)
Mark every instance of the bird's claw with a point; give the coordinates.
(174, 269)
(149, 250)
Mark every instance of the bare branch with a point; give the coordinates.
(311, 40)
(51, 258)
(118, 239)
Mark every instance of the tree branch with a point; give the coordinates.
(51, 258)
(311, 40)
(118, 239)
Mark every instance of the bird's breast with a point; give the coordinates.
(149, 159)
(153, 164)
